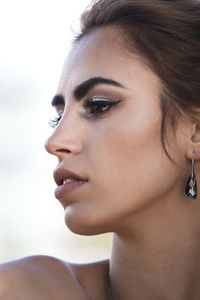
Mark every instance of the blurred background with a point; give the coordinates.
(35, 36)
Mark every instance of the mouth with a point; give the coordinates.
(67, 187)
(63, 176)
(70, 180)
(67, 181)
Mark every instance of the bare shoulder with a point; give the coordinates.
(38, 278)
(93, 277)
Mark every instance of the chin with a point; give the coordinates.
(84, 222)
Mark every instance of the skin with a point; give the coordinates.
(134, 190)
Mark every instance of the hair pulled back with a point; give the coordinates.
(166, 35)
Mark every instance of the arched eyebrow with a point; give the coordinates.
(82, 89)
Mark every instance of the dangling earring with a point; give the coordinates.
(191, 185)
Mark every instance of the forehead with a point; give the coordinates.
(102, 53)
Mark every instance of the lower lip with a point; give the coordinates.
(68, 187)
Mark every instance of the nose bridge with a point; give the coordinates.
(66, 137)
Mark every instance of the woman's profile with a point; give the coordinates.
(127, 140)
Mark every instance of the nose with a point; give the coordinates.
(65, 140)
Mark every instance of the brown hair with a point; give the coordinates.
(166, 34)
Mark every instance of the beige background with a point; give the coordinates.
(35, 37)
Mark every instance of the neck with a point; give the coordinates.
(157, 255)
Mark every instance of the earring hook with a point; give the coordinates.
(193, 164)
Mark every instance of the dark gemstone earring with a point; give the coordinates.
(191, 185)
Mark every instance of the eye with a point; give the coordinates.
(96, 106)
(54, 122)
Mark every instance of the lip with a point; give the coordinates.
(65, 189)
(60, 174)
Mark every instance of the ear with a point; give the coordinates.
(194, 143)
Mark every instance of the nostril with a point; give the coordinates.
(59, 146)
(63, 151)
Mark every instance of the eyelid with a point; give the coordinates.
(97, 97)
(60, 113)
(88, 103)
(59, 108)
(95, 103)
(91, 101)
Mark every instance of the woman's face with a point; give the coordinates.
(119, 150)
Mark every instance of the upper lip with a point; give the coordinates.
(60, 174)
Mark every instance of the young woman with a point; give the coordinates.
(127, 139)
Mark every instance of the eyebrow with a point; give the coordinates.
(82, 89)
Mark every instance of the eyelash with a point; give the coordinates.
(54, 122)
(90, 103)
(99, 103)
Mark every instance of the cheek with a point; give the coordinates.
(126, 146)
(128, 161)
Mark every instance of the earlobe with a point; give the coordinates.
(195, 150)
(194, 144)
